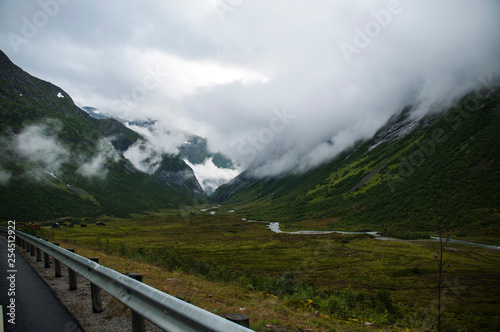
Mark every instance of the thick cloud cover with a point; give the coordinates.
(274, 84)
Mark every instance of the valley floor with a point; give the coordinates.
(227, 265)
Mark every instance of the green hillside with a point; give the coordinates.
(56, 160)
(446, 171)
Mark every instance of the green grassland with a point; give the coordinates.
(345, 277)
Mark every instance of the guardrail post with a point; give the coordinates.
(46, 259)
(57, 266)
(138, 324)
(38, 254)
(240, 319)
(72, 276)
(25, 247)
(32, 250)
(95, 293)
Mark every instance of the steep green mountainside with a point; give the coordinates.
(445, 171)
(121, 136)
(57, 161)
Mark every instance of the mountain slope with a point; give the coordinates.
(445, 169)
(57, 160)
(176, 173)
(121, 136)
(197, 170)
(172, 170)
(211, 169)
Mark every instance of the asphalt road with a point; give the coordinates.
(36, 306)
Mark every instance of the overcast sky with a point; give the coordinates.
(279, 83)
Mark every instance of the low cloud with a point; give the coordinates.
(39, 150)
(96, 166)
(144, 156)
(162, 137)
(40, 144)
(147, 155)
(4, 176)
(210, 176)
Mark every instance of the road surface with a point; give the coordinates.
(36, 306)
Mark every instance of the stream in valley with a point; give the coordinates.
(275, 227)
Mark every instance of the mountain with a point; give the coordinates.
(208, 169)
(121, 137)
(59, 161)
(411, 176)
(200, 172)
(212, 169)
(174, 172)
(196, 151)
(171, 171)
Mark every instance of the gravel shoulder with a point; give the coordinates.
(115, 317)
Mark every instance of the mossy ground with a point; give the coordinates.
(332, 262)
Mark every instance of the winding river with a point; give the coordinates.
(275, 227)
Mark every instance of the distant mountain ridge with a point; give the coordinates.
(194, 150)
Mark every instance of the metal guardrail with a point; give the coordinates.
(161, 309)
